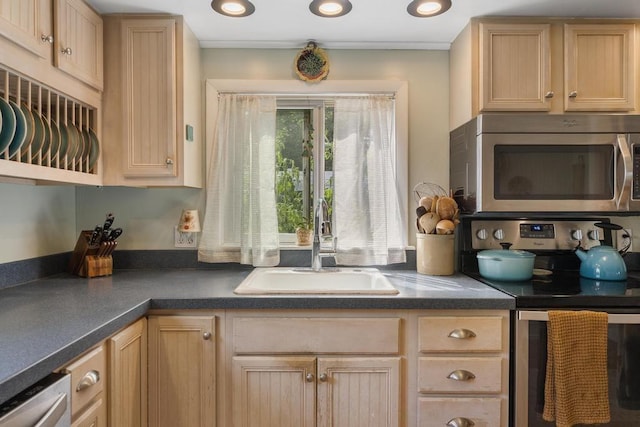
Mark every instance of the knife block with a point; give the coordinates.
(92, 260)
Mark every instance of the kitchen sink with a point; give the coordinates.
(281, 280)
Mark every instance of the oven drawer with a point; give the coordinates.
(460, 334)
(460, 375)
(441, 411)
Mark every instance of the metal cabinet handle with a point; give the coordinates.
(461, 375)
(460, 422)
(89, 379)
(323, 377)
(206, 336)
(462, 334)
(67, 51)
(549, 94)
(169, 161)
(46, 39)
(310, 378)
(573, 94)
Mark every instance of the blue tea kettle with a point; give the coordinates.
(602, 262)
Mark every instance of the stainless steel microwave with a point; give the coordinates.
(546, 163)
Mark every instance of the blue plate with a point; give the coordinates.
(94, 153)
(64, 141)
(30, 133)
(20, 136)
(55, 139)
(8, 123)
(38, 131)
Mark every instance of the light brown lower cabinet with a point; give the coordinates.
(316, 391)
(128, 376)
(182, 371)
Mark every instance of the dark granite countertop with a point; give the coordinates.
(47, 322)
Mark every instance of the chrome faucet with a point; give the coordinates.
(322, 234)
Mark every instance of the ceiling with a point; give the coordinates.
(372, 24)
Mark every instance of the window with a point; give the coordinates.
(304, 141)
(274, 175)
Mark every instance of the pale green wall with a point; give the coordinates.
(148, 215)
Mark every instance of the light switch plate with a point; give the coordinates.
(189, 132)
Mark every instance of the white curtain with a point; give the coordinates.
(367, 213)
(241, 222)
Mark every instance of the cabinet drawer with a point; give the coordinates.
(94, 416)
(464, 334)
(482, 412)
(436, 374)
(316, 335)
(87, 378)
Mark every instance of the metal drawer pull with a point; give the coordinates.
(323, 377)
(462, 334)
(46, 39)
(573, 94)
(89, 379)
(206, 336)
(310, 378)
(460, 422)
(461, 375)
(66, 51)
(549, 94)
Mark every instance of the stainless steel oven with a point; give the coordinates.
(553, 239)
(546, 163)
(44, 404)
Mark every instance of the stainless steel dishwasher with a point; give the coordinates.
(44, 404)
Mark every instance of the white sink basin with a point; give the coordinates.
(280, 280)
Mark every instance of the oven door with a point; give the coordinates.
(555, 172)
(623, 365)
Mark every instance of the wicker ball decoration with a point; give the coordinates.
(312, 63)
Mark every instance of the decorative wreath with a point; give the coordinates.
(311, 63)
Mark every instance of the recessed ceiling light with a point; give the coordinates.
(330, 8)
(426, 8)
(234, 8)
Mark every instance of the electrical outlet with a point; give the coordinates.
(183, 240)
(624, 237)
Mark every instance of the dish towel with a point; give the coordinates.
(576, 389)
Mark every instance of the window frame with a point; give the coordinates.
(325, 89)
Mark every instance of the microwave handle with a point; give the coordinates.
(627, 163)
(614, 319)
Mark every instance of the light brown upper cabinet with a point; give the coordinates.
(552, 65)
(599, 67)
(152, 102)
(29, 24)
(515, 66)
(78, 41)
(64, 33)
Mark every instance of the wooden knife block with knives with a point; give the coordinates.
(92, 254)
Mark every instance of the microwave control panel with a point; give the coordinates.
(534, 234)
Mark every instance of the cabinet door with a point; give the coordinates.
(149, 110)
(359, 391)
(274, 391)
(599, 67)
(94, 416)
(182, 371)
(78, 41)
(128, 376)
(28, 23)
(515, 66)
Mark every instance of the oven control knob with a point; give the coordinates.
(482, 234)
(576, 234)
(594, 235)
(498, 234)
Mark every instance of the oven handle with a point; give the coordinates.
(627, 163)
(617, 319)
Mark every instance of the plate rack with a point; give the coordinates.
(61, 131)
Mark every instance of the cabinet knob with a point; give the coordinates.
(549, 94)
(169, 161)
(462, 334)
(460, 422)
(323, 377)
(573, 94)
(89, 379)
(46, 39)
(461, 375)
(206, 335)
(310, 378)
(67, 51)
